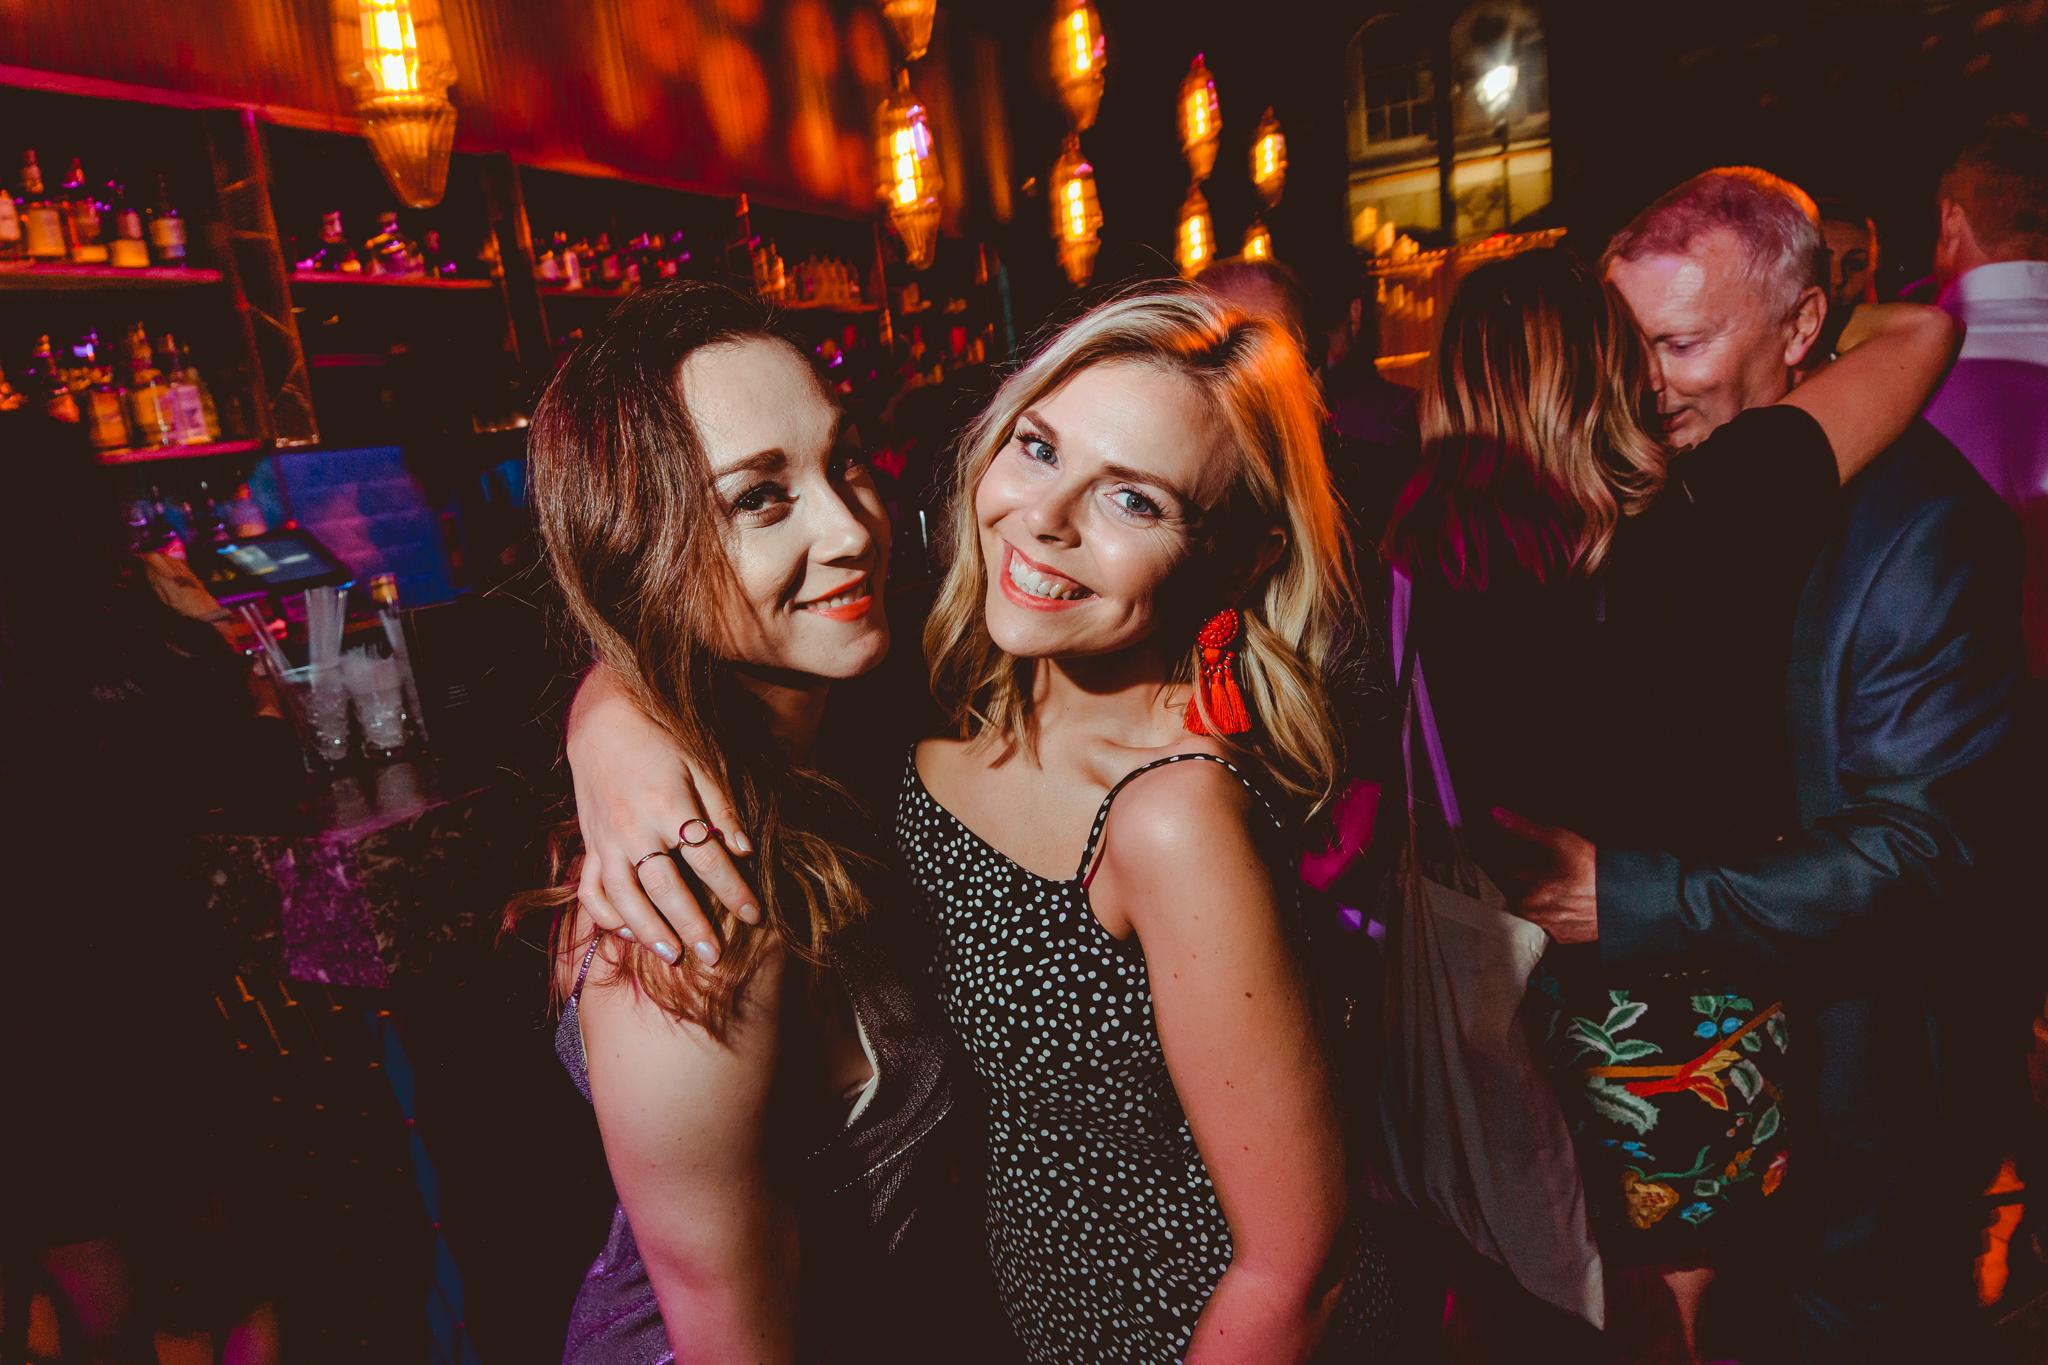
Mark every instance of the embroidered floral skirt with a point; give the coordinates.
(1674, 1094)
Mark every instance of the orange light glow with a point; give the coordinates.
(1201, 119)
(1197, 236)
(1076, 213)
(1269, 159)
(1258, 242)
(1078, 60)
(907, 167)
(394, 55)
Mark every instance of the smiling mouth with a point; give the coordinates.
(846, 604)
(1036, 586)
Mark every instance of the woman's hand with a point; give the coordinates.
(634, 792)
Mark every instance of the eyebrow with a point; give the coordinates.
(1128, 473)
(775, 457)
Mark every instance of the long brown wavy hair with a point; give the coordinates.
(636, 540)
(1252, 374)
(1536, 420)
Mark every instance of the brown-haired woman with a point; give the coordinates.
(1605, 631)
(769, 1119)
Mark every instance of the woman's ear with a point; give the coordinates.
(1270, 548)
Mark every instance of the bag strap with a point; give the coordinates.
(1410, 678)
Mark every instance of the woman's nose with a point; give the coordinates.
(1049, 515)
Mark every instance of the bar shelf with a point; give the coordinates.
(324, 279)
(34, 276)
(198, 452)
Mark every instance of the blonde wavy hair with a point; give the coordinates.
(1537, 416)
(1254, 378)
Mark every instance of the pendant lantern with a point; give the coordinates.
(394, 55)
(1078, 61)
(1269, 159)
(1201, 119)
(1197, 246)
(1258, 242)
(911, 21)
(1076, 214)
(908, 173)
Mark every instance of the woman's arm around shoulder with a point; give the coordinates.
(1893, 356)
(685, 1120)
(1180, 865)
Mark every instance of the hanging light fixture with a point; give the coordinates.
(911, 22)
(394, 55)
(1201, 119)
(1076, 213)
(1197, 238)
(908, 172)
(1078, 60)
(1269, 159)
(1258, 242)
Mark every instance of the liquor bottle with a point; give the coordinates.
(609, 271)
(245, 515)
(104, 402)
(163, 528)
(149, 398)
(547, 268)
(335, 255)
(192, 410)
(585, 272)
(126, 247)
(569, 270)
(12, 247)
(44, 383)
(83, 214)
(166, 228)
(42, 218)
(11, 398)
(441, 265)
(204, 523)
(388, 252)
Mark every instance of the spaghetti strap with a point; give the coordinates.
(1085, 873)
(576, 991)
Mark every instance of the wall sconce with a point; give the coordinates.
(1258, 242)
(1201, 119)
(1076, 214)
(911, 21)
(908, 173)
(1078, 60)
(1197, 237)
(394, 54)
(1269, 159)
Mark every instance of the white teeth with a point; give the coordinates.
(845, 599)
(1040, 585)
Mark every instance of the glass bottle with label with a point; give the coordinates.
(149, 397)
(44, 383)
(166, 228)
(83, 215)
(198, 420)
(126, 246)
(42, 218)
(12, 247)
(104, 401)
(388, 252)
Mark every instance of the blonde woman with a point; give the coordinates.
(1131, 647)
(1605, 631)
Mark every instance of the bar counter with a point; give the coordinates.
(380, 874)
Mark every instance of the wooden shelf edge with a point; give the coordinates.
(321, 279)
(30, 275)
(180, 452)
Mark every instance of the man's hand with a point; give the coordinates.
(1550, 878)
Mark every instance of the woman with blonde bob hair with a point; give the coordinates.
(1132, 648)
(1605, 628)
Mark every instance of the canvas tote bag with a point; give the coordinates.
(1473, 1134)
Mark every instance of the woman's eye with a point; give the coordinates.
(760, 498)
(1132, 503)
(1037, 449)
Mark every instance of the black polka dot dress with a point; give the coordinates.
(1105, 1233)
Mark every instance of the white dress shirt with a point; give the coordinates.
(1994, 407)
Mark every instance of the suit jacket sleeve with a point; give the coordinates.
(1926, 737)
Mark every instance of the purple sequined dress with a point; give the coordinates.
(890, 1270)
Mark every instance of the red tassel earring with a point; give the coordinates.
(1216, 679)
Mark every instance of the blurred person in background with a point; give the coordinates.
(1851, 237)
(125, 724)
(1991, 255)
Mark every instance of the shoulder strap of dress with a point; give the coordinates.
(589, 954)
(1086, 872)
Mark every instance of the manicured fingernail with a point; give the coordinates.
(666, 952)
(751, 913)
(706, 954)
(741, 842)
(627, 934)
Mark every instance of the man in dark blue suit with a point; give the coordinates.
(1882, 913)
